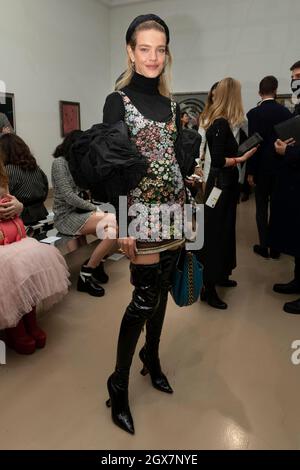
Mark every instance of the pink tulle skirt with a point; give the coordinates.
(30, 273)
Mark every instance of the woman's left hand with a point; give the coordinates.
(11, 208)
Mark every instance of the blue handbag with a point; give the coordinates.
(187, 279)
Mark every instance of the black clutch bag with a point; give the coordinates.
(250, 143)
(289, 129)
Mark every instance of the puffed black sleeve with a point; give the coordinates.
(218, 139)
(113, 110)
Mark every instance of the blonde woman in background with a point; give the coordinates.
(204, 150)
(223, 117)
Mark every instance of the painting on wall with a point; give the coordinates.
(69, 117)
(286, 100)
(191, 103)
(7, 107)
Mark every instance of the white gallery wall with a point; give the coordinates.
(212, 39)
(74, 50)
(53, 50)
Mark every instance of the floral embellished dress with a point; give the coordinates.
(162, 191)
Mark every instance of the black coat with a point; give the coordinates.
(105, 157)
(219, 251)
(191, 141)
(285, 214)
(262, 119)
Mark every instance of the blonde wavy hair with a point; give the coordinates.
(164, 86)
(227, 104)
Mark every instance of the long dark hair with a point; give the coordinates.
(3, 176)
(14, 151)
(63, 149)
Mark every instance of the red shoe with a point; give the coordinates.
(34, 330)
(18, 339)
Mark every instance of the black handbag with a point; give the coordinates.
(33, 213)
(85, 196)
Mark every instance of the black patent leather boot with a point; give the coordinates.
(144, 302)
(149, 354)
(152, 366)
(117, 386)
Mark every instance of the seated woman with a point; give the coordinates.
(27, 182)
(30, 273)
(74, 215)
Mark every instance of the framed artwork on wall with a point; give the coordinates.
(7, 107)
(286, 100)
(192, 103)
(69, 117)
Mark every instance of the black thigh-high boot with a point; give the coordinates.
(149, 353)
(145, 298)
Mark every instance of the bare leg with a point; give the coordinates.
(105, 245)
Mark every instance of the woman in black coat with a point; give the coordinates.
(222, 122)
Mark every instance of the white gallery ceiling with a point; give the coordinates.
(116, 3)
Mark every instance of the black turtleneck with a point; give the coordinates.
(144, 94)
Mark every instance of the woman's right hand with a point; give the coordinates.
(128, 247)
(198, 171)
(247, 155)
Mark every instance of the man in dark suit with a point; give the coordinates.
(285, 220)
(263, 166)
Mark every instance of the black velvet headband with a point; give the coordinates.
(142, 19)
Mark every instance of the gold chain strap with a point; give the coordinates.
(190, 279)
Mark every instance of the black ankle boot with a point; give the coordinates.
(292, 287)
(292, 307)
(210, 296)
(98, 273)
(152, 366)
(87, 283)
(118, 402)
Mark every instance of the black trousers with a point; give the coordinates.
(263, 191)
(297, 269)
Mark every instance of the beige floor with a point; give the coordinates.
(235, 385)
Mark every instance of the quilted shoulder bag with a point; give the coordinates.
(187, 279)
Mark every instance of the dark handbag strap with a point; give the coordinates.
(181, 258)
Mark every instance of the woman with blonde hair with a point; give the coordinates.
(204, 150)
(142, 101)
(223, 117)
